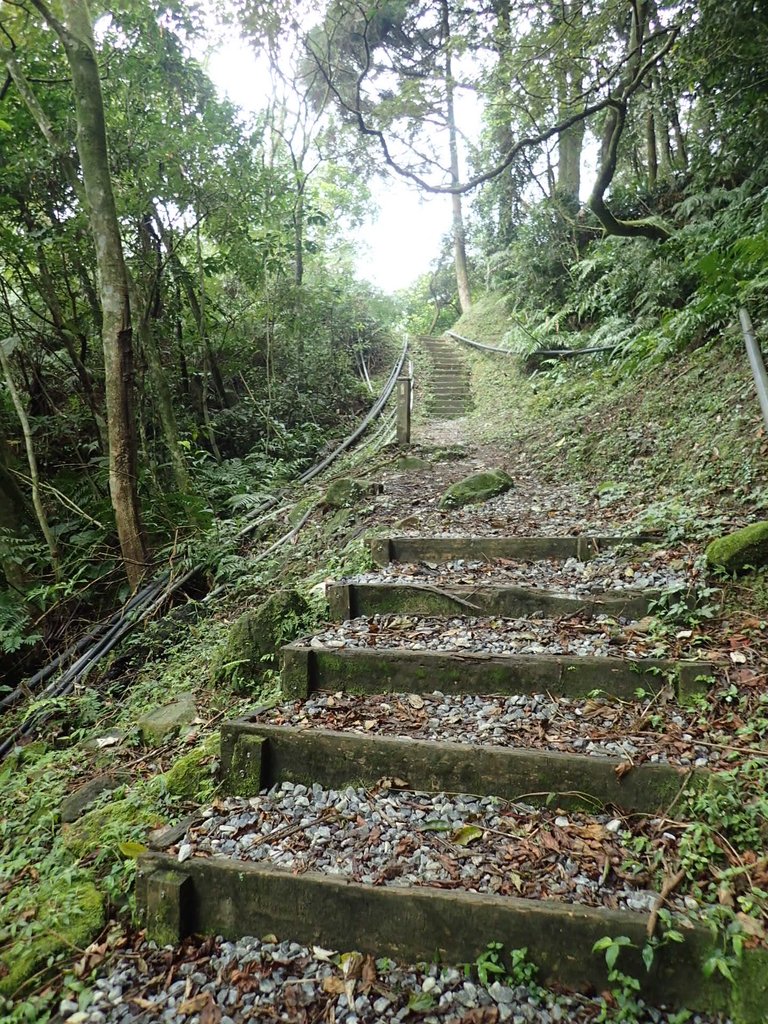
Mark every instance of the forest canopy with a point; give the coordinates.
(181, 323)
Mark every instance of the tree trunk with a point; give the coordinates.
(197, 306)
(161, 392)
(661, 129)
(298, 235)
(650, 145)
(34, 476)
(117, 337)
(163, 401)
(13, 515)
(459, 237)
(613, 129)
(570, 88)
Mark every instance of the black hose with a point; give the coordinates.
(541, 353)
(109, 634)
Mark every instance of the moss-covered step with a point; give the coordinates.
(256, 756)
(221, 896)
(348, 600)
(306, 668)
(445, 549)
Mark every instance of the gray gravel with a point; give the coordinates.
(550, 510)
(403, 838)
(600, 635)
(267, 980)
(600, 727)
(606, 572)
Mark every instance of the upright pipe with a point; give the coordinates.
(756, 362)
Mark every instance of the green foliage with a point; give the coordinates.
(626, 1006)
(514, 969)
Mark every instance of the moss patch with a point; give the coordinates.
(749, 995)
(191, 777)
(254, 642)
(116, 822)
(343, 493)
(66, 920)
(476, 488)
(739, 551)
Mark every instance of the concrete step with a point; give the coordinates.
(458, 400)
(348, 600)
(446, 549)
(256, 756)
(440, 409)
(232, 898)
(312, 666)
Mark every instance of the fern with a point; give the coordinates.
(14, 623)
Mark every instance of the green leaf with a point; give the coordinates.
(648, 955)
(435, 825)
(420, 1002)
(4, 126)
(602, 944)
(132, 850)
(466, 835)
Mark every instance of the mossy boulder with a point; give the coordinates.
(741, 550)
(116, 822)
(168, 720)
(343, 493)
(191, 777)
(252, 647)
(476, 488)
(65, 919)
(412, 464)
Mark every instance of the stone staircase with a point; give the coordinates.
(448, 380)
(374, 717)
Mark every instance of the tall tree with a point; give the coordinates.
(75, 33)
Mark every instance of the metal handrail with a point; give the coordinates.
(754, 352)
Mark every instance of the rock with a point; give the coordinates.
(476, 488)
(255, 639)
(191, 777)
(739, 551)
(411, 463)
(164, 722)
(409, 523)
(106, 740)
(343, 493)
(77, 803)
(68, 918)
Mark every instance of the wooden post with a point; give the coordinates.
(404, 410)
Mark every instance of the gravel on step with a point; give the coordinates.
(448, 841)
(598, 635)
(529, 508)
(268, 980)
(608, 571)
(654, 731)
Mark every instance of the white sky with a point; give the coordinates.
(403, 238)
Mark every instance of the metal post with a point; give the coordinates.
(756, 362)
(404, 387)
